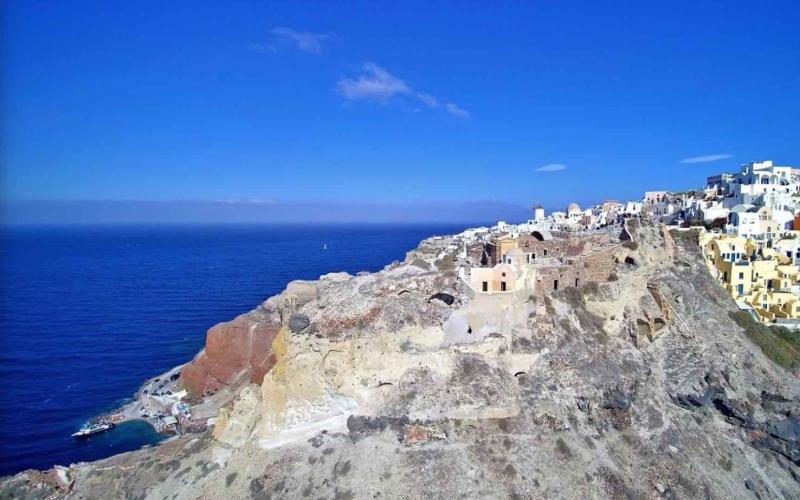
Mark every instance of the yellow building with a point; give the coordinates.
(503, 245)
(763, 280)
(771, 304)
(728, 260)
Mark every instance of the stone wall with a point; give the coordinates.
(598, 266)
(561, 247)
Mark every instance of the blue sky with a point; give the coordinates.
(396, 104)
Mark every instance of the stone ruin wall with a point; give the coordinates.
(598, 266)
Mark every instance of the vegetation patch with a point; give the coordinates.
(630, 245)
(566, 326)
(421, 264)
(589, 322)
(548, 305)
(563, 449)
(446, 263)
(779, 344)
(690, 236)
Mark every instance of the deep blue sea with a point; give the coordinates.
(88, 313)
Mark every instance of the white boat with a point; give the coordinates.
(92, 429)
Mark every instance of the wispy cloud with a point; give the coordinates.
(305, 41)
(373, 84)
(427, 99)
(376, 84)
(551, 167)
(456, 110)
(706, 158)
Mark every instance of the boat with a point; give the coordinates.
(92, 429)
(325, 246)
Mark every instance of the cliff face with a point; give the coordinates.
(402, 384)
(236, 351)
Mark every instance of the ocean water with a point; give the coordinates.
(88, 313)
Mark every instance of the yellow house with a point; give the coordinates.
(503, 245)
(727, 258)
(765, 283)
(771, 304)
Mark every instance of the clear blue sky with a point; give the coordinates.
(396, 103)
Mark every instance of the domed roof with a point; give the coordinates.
(742, 207)
(573, 207)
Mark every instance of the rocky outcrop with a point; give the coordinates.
(377, 387)
(236, 351)
(236, 421)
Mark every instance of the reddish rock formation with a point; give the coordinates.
(235, 350)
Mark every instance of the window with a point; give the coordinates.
(485, 286)
(555, 284)
(502, 286)
(576, 282)
(504, 275)
(741, 276)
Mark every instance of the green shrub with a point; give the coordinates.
(779, 344)
(589, 322)
(548, 305)
(566, 326)
(446, 263)
(630, 244)
(421, 264)
(690, 236)
(789, 335)
(563, 449)
(591, 288)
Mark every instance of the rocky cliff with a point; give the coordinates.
(405, 384)
(235, 352)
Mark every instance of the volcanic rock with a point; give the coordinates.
(236, 350)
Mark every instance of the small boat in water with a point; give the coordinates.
(92, 429)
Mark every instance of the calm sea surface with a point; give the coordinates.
(88, 313)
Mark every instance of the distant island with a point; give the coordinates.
(643, 348)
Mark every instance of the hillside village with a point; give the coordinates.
(749, 223)
(585, 353)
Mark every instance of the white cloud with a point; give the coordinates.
(706, 158)
(373, 84)
(427, 99)
(376, 84)
(456, 110)
(305, 41)
(551, 167)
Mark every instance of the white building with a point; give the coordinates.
(632, 208)
(755, 179)
(789, 246)
(757, 225)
